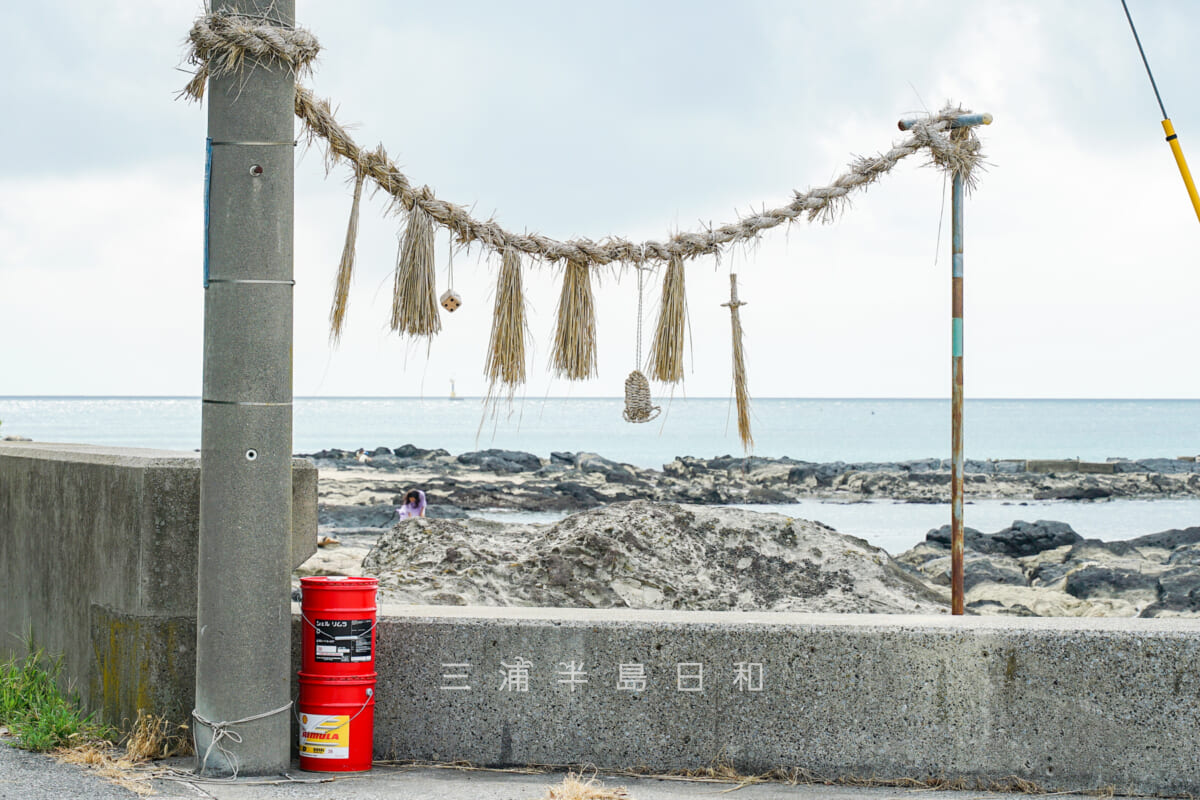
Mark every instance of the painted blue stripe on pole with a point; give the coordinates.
(208, 145)
(956, 265)
(957, 346)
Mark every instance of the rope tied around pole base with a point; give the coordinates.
(224, 730)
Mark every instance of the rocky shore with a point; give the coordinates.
(646, 538)
(643, 554)
(361, 490)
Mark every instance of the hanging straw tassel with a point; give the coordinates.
(574, 355)
(414, 296)
(666, 351)
(506, 352)
(341, 292)
(739, 367)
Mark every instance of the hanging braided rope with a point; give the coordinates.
(221, 43)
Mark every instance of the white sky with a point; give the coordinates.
(634, 119)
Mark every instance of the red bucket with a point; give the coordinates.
(337, 723)
(338, 638)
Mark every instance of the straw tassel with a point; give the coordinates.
(506, 352)
(341, 292)
(739, 367)
(574, 356)
(414, 295)
(666, 351)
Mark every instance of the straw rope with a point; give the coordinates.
(741, 393)
(220, 43)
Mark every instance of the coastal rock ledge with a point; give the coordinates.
(643, 554)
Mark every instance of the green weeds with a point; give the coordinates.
(35, 709)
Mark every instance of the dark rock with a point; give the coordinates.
(1165, 466)
(1179, 589)
(412, 451)
(1168, 540)
(501, 460)
(993, 608)
(559, 457)
(823, 473)
(941, 536)
(923, 465)
(987, 570)
(760, 494)
(1097, 580)
(585, 496)
(1188, 554)
(590, 462)
(381, 451)
(1028, 538)
(1074, 493)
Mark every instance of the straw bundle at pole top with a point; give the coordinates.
(574, 355)
(741, 393)
(341, 292)
(666, 350)
(414, 295)
(506, 352)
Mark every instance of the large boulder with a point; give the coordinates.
(646, 555)
(501, 460)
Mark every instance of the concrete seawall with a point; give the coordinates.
(1071, 704)
(98, 565)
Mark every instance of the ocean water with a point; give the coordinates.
(811, 430)
(808, 429)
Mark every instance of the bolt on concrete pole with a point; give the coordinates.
(243, 615)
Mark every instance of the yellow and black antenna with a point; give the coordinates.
(1168, 128)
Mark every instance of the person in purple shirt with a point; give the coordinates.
(414, 504)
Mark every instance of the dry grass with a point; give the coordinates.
(506, 352)
(666, 351)
(153, 737)
(741, 393)
(108, 764)
(414, 297)
(574, 356)
(341, 291)
(574, 787)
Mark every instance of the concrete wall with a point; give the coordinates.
(98, 564)
(1074, 704)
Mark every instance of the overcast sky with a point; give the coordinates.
(633, 119)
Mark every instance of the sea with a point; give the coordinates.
(846, 429)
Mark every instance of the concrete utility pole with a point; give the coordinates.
(243, 616)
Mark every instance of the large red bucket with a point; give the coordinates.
(337, 723)
(338, 638)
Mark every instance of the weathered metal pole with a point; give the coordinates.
(958, 127)
(956, 398)
(243, 616)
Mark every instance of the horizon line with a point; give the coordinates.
(588, 397)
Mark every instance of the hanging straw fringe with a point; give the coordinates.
(414, 296)
(666, 351)
(637, 399)
(574, 355)
(739, 367)
(341, 292)
(506, 352)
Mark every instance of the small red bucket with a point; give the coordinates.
(337, 723)
(338, 638)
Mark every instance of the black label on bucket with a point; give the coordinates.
(342, 640)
